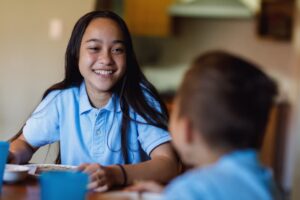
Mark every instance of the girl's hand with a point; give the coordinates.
(100, 178)
(11, 158)
(146, 186)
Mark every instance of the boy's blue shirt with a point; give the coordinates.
(87, 134)
(235, 176)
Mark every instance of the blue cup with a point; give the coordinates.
(4, 146)
(62, 185)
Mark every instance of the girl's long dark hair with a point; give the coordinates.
(133, 89)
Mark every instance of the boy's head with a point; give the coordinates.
(223, 100)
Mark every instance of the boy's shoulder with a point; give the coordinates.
(190, 185)
(235, 175)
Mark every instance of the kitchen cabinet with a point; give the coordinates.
(276, 19)
(148, 18)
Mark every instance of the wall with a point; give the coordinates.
(30, 61)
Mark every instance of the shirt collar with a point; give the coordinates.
(113, 104)
(249, 156)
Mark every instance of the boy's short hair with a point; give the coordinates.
(228, 99)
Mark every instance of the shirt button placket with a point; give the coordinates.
(99, 136)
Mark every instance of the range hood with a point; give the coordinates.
(213, 8)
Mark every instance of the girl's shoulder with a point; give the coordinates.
(73, 91)
(62, 95)
(56, 100)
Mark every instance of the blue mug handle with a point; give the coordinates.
(4, 149)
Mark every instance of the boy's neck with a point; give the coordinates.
(210, 156)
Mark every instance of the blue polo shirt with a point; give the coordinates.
(87, 134)
(236, 176)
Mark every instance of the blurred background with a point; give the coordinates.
(167, 35)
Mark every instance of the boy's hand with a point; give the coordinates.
(146, 186)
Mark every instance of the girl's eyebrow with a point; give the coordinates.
(119, 41)
(100, 41)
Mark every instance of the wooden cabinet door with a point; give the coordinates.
(148, 18)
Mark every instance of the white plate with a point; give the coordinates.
(121, 195)
(14, 173)
(151, 196)
(37, 169)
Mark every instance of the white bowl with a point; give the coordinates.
(14, 173)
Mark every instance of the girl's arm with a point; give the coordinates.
(20, 152)
(162, 167)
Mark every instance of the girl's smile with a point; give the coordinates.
(104, 73)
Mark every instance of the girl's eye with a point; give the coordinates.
(120, 50)
(93, 49)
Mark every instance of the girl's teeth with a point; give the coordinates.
(103, 72)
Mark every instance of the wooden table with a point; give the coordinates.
(29, 189)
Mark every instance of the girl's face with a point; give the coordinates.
(102, 57)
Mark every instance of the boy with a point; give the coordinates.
(218, 123)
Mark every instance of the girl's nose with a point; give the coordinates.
(105, 58)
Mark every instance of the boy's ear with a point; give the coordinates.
(188, 130)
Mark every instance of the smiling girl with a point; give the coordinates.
(108, 118)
